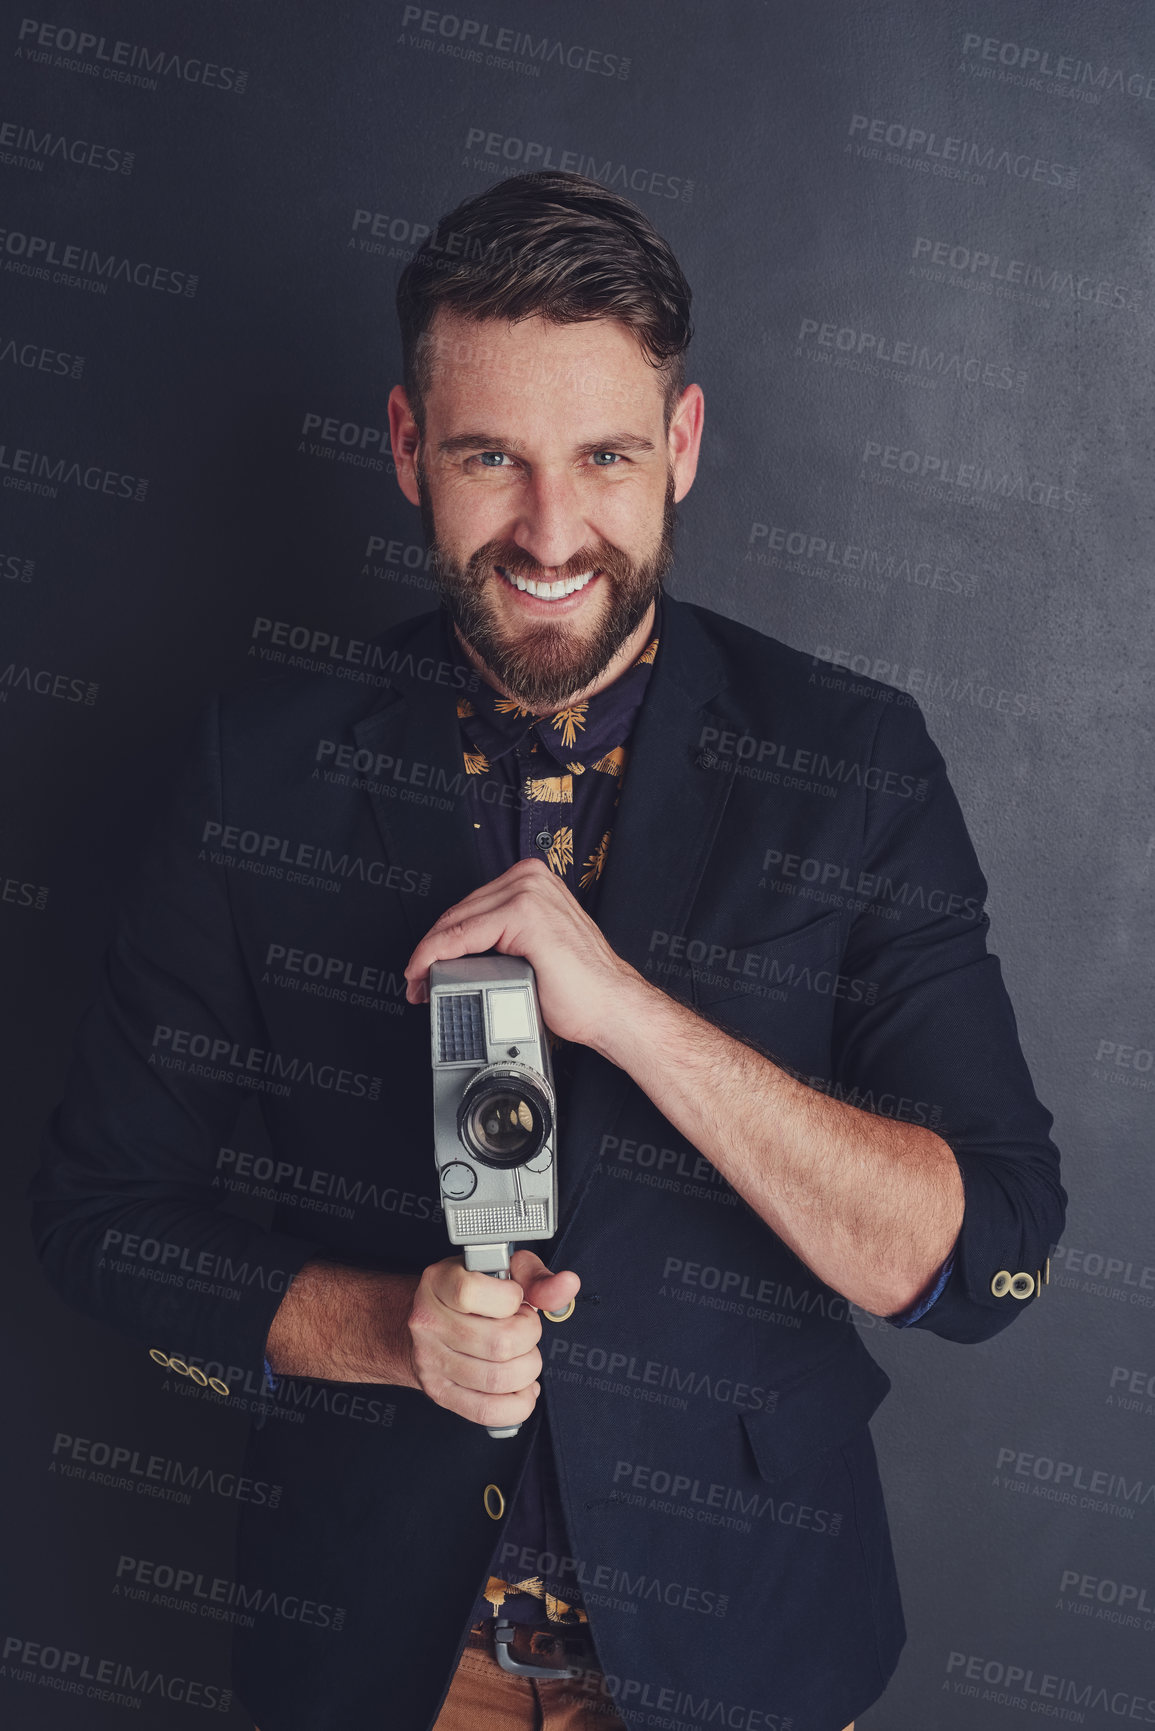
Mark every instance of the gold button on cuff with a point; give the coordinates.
(221, 1387)
(160, 1357)
(198, 1376)
(561, 1315)
(179, 1365)
(500, 1502)
(1047, 1272)
(1001, 1284)
(1023, 1285)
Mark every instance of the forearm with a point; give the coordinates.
(872, 1205)
(344, 1324)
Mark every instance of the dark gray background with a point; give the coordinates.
(1013, 604)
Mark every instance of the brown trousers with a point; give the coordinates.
(483, 1697)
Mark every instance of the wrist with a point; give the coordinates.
(627, 1019)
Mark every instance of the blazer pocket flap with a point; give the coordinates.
(746, 970)
(815, 1414)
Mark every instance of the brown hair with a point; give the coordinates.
(557, 245)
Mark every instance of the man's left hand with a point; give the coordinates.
(582, 984)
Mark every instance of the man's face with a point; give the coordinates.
(546, 462)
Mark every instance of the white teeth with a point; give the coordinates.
(547, 591)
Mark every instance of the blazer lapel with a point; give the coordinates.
(420, 803)
(663, 832)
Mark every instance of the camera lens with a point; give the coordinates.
(503, 1120)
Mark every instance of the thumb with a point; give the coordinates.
(541, 1288)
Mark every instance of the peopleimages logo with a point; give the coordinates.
(1034, 65)
(39, 358)
(530, 156)
(1007, 276)
(467, 37)
(831, 557)
(956, 158)
(46, 260)
(217, 1596)
(118, 1682)
(853, 348)
(21, 676)
(1072, 1483)
(28, 471)
(973, 481)
(123, 62)
(25, 147)
(1021, 1686)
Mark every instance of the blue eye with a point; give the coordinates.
(614, 456)
(485, 455)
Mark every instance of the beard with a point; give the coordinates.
(544, 664)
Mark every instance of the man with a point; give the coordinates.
(788, 1072)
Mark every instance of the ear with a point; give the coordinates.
(685, 438)
(405, 438)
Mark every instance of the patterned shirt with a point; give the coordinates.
(547, 789)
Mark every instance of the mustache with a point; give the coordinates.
(518, 563)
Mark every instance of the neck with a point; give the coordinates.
(614, 668)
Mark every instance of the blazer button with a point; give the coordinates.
(493, 1502)
(1022, 1286)
(561, 1315)
(1001, 1284)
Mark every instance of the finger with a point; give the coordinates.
(466, 1291)
(495, 1410)
(485, 1376)
(500, 1340)
(470, 936)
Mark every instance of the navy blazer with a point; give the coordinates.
(789, 859)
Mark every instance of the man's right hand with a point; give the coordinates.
(474, 1339)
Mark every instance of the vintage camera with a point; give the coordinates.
(494, 1110)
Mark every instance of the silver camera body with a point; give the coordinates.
(494, 1108)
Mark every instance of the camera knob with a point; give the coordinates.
(458, 1180)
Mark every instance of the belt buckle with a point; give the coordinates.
(504, 1630)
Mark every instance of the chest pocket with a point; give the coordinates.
(777, 992)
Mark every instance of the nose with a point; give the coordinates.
(550, 524)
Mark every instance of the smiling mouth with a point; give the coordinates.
(547, 591)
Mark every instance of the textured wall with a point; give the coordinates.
(920, 246)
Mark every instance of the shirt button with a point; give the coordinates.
(544, 840)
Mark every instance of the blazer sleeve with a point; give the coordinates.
(124, 1214)
(933, 1037)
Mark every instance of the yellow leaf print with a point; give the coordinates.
(596, 861)
(648, 653)
(550, 789)
(568, 722)
(576, 768)
(476, 762)
(614, 762)
(464, 709)
(510, 706)
(560, 852)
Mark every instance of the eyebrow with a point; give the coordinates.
(497, 442)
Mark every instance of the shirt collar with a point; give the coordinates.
(495, 724)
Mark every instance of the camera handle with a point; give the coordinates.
(492, 1259)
